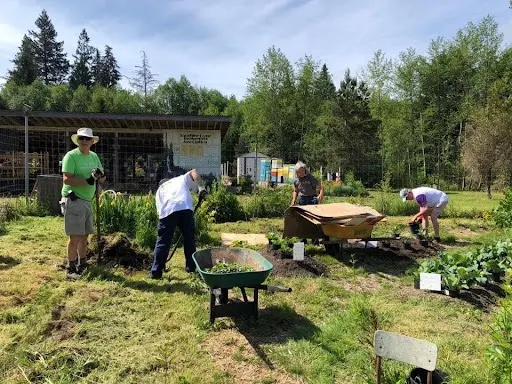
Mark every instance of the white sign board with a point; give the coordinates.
(430, 281)
(298, 251)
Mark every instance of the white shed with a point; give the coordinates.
(246, 165)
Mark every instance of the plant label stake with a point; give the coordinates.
(430, 281)
(298, 251)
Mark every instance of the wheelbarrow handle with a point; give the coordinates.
(274, 288)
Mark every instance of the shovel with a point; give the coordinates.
(202, 196)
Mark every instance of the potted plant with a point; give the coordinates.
(271, 236)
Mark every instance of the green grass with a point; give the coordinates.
(114, 327)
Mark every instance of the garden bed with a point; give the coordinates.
(291, 268)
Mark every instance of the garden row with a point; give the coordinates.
(476, 267)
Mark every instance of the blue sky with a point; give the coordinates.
(216, 43)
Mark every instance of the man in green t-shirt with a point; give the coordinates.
(82, 170)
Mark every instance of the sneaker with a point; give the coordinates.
(437, 239)
(190, 269)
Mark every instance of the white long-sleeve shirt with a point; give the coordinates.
(175, 195)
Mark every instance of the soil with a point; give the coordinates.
(118, 250)
(399, 248)
(292, 268)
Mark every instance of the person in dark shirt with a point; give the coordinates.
(307, 189)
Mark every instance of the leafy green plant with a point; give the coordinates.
(473, 267)
(231, 267)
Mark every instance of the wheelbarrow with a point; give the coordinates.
(220, 283)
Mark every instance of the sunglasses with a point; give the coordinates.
(86, 138)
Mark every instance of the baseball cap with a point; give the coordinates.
(403, 194)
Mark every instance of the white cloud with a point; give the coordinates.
(216, 43)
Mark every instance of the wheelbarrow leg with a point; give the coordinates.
(255, 304)
(212, 306)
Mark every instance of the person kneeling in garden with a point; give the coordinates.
(82, 171)
(175, 208)
(431, 201)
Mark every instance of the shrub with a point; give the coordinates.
(350, 187)
(246, 185)
(392, 205)
(269, 202)
(502, 215)
(222, 205)
(500, 351)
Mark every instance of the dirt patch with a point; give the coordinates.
(118, 250)
(408, 248)
(60, 327)
(234, 354)
(292, 268)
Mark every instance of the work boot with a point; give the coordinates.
(71, 271)
(82, 266)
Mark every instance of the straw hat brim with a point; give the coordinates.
(74, 139)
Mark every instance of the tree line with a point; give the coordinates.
(436, 118)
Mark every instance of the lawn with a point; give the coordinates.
(116, 326)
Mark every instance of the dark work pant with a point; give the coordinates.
(308, 200)
(166, 226)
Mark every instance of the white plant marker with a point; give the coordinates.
(298, 251)
(430, 281)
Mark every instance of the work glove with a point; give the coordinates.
(96, 174)
(203, 193)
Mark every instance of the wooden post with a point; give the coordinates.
(379, 369)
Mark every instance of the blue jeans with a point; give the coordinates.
(308, 200)
(166, 226)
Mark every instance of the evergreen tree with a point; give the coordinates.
(326, 90)
(51, 61)
(81, 71)
(96, 67)
(25, 68)
(109, 74)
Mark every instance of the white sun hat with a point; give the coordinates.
(84, 132)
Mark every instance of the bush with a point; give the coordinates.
(503, 214)
(392, 205)
(269, 202)
(246, 185)
(222, 205)
(500, 352)
(350, 187)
